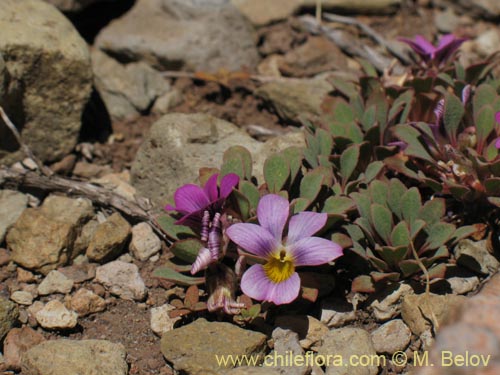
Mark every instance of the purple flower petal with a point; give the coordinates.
(227, 184)
(210, 188)
(305, 224)
(190, 198)
(448, 44)
(421, 46)
(497, 117)
(497, 143)
(272, 212)
(257, 285)
(313, 251)
(252, 238)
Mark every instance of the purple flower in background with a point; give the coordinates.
(192, 201)
(497, 119)
(447, 45)
(276, 280)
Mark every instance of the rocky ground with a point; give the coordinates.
(132, 98)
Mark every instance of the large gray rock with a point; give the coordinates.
(8, 316)
(181, 34)
(12, 205)
(85, 357)
(177, 146)
(127, 90)
(49, 79)
(193, 349)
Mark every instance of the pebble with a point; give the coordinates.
(388, 306)
(144, 242)
(109, 239)
(22, 298)
(391, 337)
(122, 279)
(160, 321)
(12, 205)
(79, 273)
(476, 257)
(463, 285)
(8, 316)
(25, 276)
(4, 257)
(54, 315)
(18, 342)
(55, 282)
(86, 302)
(309, 329)
(336, 312)
(286, 343)
(83, 357)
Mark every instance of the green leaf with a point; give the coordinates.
(172, 230)
(325, 142)
(373, 170)
(484, 95)
(410, 205)
(251, 192)
(400, 235)
(382, 221)
(237, 159)
(452, 116)
(369, 117)
(416, 227)
(363, 284)
(396, 191)
(432, 211)
(347, 88)
(276, 172)
(378, 192)
(393, 255)
(439, 234)
(485, 123)
(311, 183)
(343, 112)
(348, 162)
(187, 250)
(363, 203)
(338, 205)
(409, 267)
(243, 204)
(414, 140)
(300, 204)
(492, 186)
(176, 277)
(463, 232)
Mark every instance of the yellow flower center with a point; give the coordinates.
(279, 267)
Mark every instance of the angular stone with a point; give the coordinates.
(119, 183)
(144, 242)
(346, 343)
(22, 297)
(86, 302)
(49, 79)
(85, 357)
(12, 205)
(109, 239)
(388, 305)
(180, 34)
(55, 282)
(391, 337)
(8, 316)
(336, 312)
(476, 257)
(73, 211)
(122, 279)
(193, 348)
(286, 343)
(18, 342)
(82, 242)
(79, 272)
(160, 321)
(309, 329)
(39, 243)
(54, 315)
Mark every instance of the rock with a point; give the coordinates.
(388, 305)
(32, 311)
(79, 272)
(144, 242)
(82, 242)
(309, 329)
(177, 146)
(476, 257)
(4, 257)
(25, 276)
(179, 34)
(8, 316)
(446, 21)
(49, 79)
(160, 321)
(315, 56)
(286, 343)
(127, 90)
(336, 312)
(73, 5)
(345, 343)
(248, 370)
(22, 297)
(122, 279)
(85, 302)
(463, 285)
(54, 315)
(418, 311)
(55, 282)
(487, 43)
(193, 348)
(166, 102)
(90, 170)
(109, 239)
(85, 357)
(18, 342)
(119, 183)
(391, 337)
(73, 211)
(293, 98)
(12, 205)
(39, 243)
(481, 8)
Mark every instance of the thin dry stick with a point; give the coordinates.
(370, 32)
(46, 171)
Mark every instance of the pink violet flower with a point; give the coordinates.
(446, 47)
(192, 201)
(497, 119)
(276, 281)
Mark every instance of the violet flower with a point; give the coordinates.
(497, 141)
(447, 45)
(276, 280)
